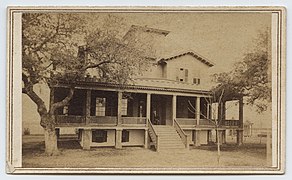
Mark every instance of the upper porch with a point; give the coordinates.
(113, 107)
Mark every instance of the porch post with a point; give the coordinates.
(119, 115)
(87, 106)
(173, 108)
(148, 114)
(223, 113)
(208, 111)
(118, 139)
(148, 106)
(86, 138)
(224, 137)
(197, 138)
(146, 139)
(240, 125)
(198, 110)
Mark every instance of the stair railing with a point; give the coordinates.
(153, 134)
(181, 133)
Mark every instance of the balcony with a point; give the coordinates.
(137, 121)
(186, 121)
(102, 120)
(189, 122)
(70, 120)
(231, 123)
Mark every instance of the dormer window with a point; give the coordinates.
(183, 75)
(196, 80)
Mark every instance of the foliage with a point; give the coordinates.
(57, 46)
(251, 77)
(26, 131)
(48, 39)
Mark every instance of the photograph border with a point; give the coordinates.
(13, 124)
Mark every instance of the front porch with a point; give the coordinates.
(113, 116)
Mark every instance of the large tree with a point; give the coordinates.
(251, 77)
(51, 51)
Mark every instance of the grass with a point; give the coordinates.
(248, 155)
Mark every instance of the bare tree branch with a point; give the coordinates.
(28, 89)
(64, 102)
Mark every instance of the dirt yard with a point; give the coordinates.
(250, 154)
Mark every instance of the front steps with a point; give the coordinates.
(168, 138)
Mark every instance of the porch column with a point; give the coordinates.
(219, 136)
(173, 108)
(148, 116)
(118, 144)
(209, 136)
(197, 138)
(198, 110)
(146, 139)
(240, 125)
(86, 138)
(148, 107)
(87, 106)
(240, 112)
(119, 117)
(224, 137)
(223, 113)
(208, 111)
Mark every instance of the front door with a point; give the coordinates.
(158, 109)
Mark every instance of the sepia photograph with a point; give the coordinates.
(146, 90)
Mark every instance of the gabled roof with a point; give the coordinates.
(190, 52)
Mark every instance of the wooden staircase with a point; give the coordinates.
(167, 138)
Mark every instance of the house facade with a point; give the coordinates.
(167, 107)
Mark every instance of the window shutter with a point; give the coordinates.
(186, 75)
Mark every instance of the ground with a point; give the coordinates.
(252, 154)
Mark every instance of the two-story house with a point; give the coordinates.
(165, 108)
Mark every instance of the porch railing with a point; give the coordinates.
(231, 122)
(186, 121)
(181, 133)
(103, 120)
(153, 134)
(207, 122)
(69, 119)
(134, 120)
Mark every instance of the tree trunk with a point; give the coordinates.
(218, 146)
(51, 147)
(51, 142)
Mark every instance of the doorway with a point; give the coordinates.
(161, 109)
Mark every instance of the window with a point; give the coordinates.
(125, 136)
(99, 136)
(186, 75)
(124, 107)
(183, 75)
(100, 106)
(196, 81)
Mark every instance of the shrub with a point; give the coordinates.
(26, 131)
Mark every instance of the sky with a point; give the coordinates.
(223, 38)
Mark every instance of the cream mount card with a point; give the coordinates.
(146, 90)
